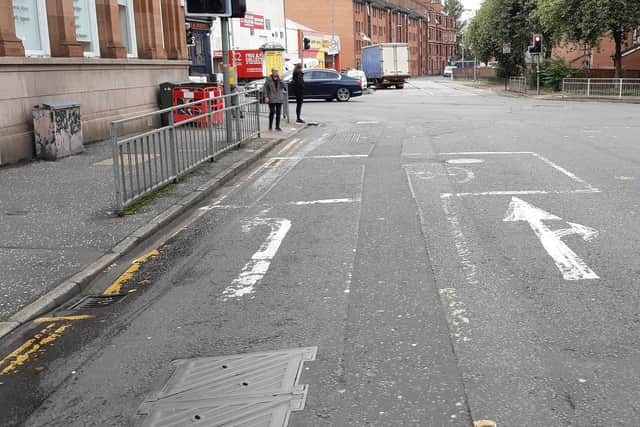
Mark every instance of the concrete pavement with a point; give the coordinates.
(391, 242)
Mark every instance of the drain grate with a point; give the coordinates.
(96, 301)
(251, 390)
(348, 137)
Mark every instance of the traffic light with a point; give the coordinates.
(306, 43)
(238, 8)
(537, 44)
(208, 8)
(191, 40)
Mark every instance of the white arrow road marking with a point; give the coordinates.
(258, 265)
(569, 264)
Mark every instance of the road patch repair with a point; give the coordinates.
(254, 389)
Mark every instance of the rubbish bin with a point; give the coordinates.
(166, 100)
(57, 129)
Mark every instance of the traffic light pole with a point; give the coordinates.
(301, 48)
(226, 77)
(538, 74)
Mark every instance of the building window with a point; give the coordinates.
(84, 12)
(31, 26)
(128, 27)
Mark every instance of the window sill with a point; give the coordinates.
(43, 60)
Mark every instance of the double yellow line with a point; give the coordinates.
(46, 337)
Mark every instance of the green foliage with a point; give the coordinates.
(586, 21)
(455, 8)
(553, 73)
(500, 22)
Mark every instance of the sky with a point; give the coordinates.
(471, 4)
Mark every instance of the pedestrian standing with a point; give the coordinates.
(297, 84)
(274, 95)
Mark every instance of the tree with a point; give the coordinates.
(586, 21)
(455, 8)
(500, 22)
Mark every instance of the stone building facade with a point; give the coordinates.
(107, 55)
(430, 33)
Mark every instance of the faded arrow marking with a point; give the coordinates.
(570, 265)
(259, 264)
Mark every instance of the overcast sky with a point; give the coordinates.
(471, 4)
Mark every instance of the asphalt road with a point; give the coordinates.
(455, 256)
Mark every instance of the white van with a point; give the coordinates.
(448, 70)
(358, 74)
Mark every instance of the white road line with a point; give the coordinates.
(349, 280)
(257, 267)
(456, 309)
(568, 262)
(532, 153)
(333, 156)
(296, 203)
(286, 147)
(561, 169)
(481, 153)
(323, 202)
(520, 193)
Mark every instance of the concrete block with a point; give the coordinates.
(63, 292)
(192, 199)
(7, 327)
(85, 276)
(125, 245)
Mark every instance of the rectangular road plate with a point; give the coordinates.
(255, 389)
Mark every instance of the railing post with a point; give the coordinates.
(258, 94)
(115, 152)
(212, 141)
(588, 88)
(563, 87)
(621, 83)
(236, 105)
(173, 146)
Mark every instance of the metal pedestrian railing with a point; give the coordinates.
(601, 88)
(517, 84)
(190, 134)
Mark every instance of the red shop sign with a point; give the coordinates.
(248, 63)
(252, 21)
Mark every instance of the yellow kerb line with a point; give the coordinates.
(116, 286)
(61, 318)
(20, 356)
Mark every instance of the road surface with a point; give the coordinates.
(454, 255)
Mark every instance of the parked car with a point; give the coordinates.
(358, 74)
(327, 84)
(448, 70)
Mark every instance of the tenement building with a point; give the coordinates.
(430, 33)
(107, 55)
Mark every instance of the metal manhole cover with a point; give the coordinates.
(16, 212)
(348, 137)
(252, 390)
(96, 301)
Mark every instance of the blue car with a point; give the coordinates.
(327, 84)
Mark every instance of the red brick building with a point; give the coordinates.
(600, 57)
(430, 33)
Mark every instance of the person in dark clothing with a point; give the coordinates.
(274, 95)
(298, 90)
